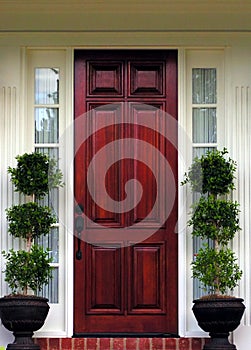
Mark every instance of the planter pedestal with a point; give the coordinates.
(219, 317)
(23, 315)
(219, 341)
(24, 341)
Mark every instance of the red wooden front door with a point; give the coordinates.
(126, 252)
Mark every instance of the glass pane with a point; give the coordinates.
(47, 86)
(204, 85)
(199, 151)
(204, 125)
(52, 199)
(51, 290)
(51, 151)
(46, 125)
(50, 241)
(198, 289)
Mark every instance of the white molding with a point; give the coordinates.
(182, 295)
(69, 197)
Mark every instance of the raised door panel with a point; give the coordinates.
(149, 151)
(147, 78)
(105, 78)
(103, 192)
(147, 279)
(105, 279)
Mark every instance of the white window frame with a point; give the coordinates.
(59, 322)
(193, 58)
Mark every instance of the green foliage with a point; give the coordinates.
(216, 269)
(29, 220)
(27, 269)
(55, 176)
(216, 219)
(211, 173)
(35, 174)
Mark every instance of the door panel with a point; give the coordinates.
(101, 259)
(93, 145)
(147, 273)
(147, 178)
(146, 79)
(127, 283)
(105, 79)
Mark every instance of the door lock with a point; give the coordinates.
(79, 226)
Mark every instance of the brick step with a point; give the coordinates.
(120, 343)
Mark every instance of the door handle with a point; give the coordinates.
(79, 226)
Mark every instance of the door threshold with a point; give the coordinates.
(125, 335)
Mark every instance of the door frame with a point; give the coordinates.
(67, 69)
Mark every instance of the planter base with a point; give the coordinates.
(23, 341)
(219, 342)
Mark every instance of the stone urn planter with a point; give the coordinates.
(28, 269)
(219, 317)
(215, 222)
(23, 315)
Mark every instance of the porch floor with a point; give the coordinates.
(120, 343)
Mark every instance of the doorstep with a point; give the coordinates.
(120, 343)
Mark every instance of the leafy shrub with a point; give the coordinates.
(27, 269)
(33, 176)
(211, 173)
(214, 218)
(29, 219)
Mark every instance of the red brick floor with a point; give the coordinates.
(120, 343)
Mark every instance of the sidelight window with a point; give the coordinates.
(46, 117)
(204, 128)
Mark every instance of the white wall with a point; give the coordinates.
(9, 143)
(239, 132)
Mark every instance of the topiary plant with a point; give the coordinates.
(29, 268)
(214, 217)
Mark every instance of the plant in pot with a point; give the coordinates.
(28, 269)
(214, 219)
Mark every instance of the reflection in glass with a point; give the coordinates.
(198, 291)
(204, 125)
(46, 86)
(51, 200)
(51, 290)
(46, 125)
(50, 242)
(204, 85)
(52, 152)
(199, 151)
